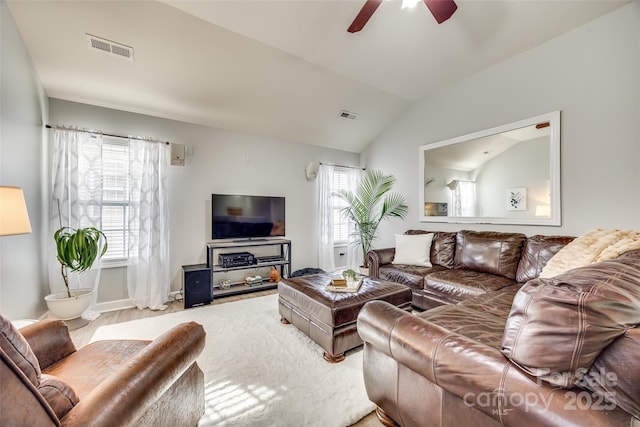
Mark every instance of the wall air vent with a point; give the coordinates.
(344, 114)
(107, 46)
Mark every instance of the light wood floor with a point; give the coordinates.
(82, 335)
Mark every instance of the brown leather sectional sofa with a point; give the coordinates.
(45, 381)
(467, 264)
(560, 351)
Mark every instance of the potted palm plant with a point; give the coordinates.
(371, 203)
(77, 250)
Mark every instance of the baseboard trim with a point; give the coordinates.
(104, 307)
(121, 304)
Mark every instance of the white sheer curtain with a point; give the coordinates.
(326, 220)
(148, 277)
(354, 252)
(76, 202)
(326, 259)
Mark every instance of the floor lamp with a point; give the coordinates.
(14, 218)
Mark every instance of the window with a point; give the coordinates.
(463, 199)
(106, 166)
(115, 197)
(340, 181)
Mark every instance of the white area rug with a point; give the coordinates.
(259, 372)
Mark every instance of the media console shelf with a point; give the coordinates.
(277, 254)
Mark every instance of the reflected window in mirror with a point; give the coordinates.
(509, 174)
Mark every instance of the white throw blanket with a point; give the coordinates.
(593, 246)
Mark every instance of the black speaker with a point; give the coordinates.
(197, 285)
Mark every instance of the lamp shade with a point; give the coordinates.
(14, 218)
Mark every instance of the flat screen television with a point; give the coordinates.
(246, 217)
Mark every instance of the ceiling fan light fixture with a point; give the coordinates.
(440, 9)
(408, 4)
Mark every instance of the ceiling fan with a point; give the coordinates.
(440, 9)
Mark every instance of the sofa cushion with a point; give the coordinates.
(85, 369)
(558, 326)
(537, 251)
(614, 375)
(18, 349)
(413, 249)
(480, 318)
(457, 285)
(408, 275)
(489, 252)
(60, 396)
(497, 303)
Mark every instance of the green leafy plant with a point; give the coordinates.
(78, 250)
(371, 203)
(349, 275)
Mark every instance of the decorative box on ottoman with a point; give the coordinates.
(329, 318)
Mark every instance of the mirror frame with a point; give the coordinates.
(555, 218)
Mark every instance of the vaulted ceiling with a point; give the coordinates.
(282, 69)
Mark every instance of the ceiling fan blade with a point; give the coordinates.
(363, 16)
(441, 9)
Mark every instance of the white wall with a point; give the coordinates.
(222, 162)
(591, 75)
(23, 108)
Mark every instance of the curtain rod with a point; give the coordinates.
(107, 134)
(342, 166)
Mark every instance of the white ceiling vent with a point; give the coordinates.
(344, 114)
(112, 48)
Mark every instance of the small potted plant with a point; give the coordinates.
(371, 203)
(349, 275)
(77, 250)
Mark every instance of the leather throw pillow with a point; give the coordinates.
(559, 326)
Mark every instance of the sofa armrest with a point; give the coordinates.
(49, 340)
(378, 257)
(375, 323)
(403, 336)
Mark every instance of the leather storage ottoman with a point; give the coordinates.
(329, 318)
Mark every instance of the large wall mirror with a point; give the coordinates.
(509, 174)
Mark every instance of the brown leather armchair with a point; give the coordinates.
(46, 381)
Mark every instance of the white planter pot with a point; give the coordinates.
(65, 308)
